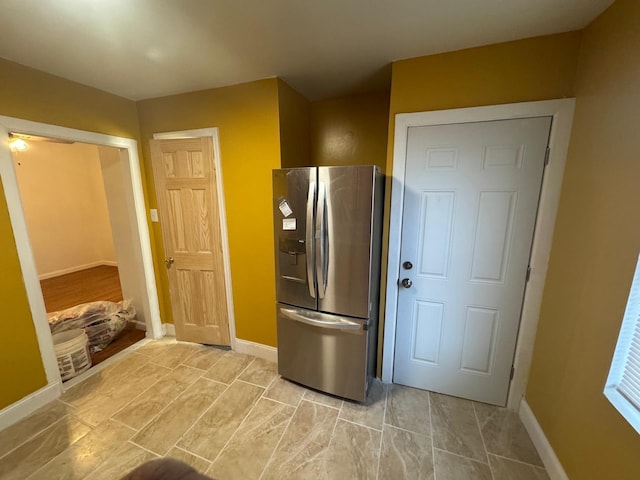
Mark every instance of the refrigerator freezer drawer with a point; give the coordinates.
(321, 351)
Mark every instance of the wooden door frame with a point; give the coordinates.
(212, 132)
(25, 252)
(562, 113)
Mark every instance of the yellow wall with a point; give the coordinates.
(37, 96)
(540, 68)
(595, 248)
(294, 111)
(21, 370)
(350, 130)
(247, 118)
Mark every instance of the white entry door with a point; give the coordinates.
(470, 204)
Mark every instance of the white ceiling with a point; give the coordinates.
(323, 48)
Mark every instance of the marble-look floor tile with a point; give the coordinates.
(369, 413)
(198, 463)
(166, 429)
(408, 408)
(405, 455)
(156, 347)
(105, 381)
(505, 435)
(505, 469)
(250, 448)
(122, 461)
(322, 398)
(104, 404)
(17, 434)
(455, 428)
(35, 453)
(285, 391)
(306, 438)
(175, 354)
(352, 453)
(227, 369)
(149, 403)
(449, 466)
(205, 357)
(211, 432)
(87, 453)
(260, 372)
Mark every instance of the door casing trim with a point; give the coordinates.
(562, 112)
(222, 212)
(23, 243)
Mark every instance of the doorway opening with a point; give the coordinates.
(71, 195)
(119, 166)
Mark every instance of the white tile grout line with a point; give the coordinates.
(461, 456)
(195, 455)
(163, 378)
(244, 419)
(433, 447)
(518, 461)
(266, 465)
(486, 452)
(384, 415)
(143, 448)
(34, 435)
(31, 475)
(175, 445)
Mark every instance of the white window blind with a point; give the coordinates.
(623, 384)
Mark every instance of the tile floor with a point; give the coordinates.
(230, 416)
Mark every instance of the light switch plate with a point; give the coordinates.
(154, 214)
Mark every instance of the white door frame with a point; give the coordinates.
(23, 244)
(562, 113)
(222, 212)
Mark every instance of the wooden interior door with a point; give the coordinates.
(185, 181)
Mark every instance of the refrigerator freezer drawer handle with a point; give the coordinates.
(309, 240)
(341, 324)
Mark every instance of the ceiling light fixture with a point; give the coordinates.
(18, 145)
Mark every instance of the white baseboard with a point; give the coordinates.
(29, 404)
(257, 350)
(169, 329)
(539, 439)
(77, 268)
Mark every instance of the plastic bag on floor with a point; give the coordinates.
(102, 321)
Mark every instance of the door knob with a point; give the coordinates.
(169, 261)
(406, 282)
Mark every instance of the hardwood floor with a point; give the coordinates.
(90, 285)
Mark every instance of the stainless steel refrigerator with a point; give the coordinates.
(327, 227)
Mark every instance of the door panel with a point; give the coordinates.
(293, 210)
(470, 204)
(349, 213)
(185, 181)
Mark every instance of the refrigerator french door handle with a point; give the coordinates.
(321, 240)
(338, 323)
(309, 239)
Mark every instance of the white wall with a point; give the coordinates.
(117, 185)
(65, 206)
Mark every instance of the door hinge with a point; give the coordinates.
(528, 273)
(547, 154)
(513, 371)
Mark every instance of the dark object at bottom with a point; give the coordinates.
(165, 469)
